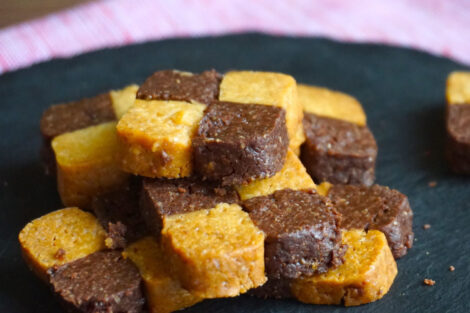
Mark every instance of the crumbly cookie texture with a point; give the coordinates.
(269, 89)
(215, 253)
(365, 276)
(87, 164)
(293, 175)
(164, 293)
(328, 103)
(458, 88)
(100, 282)
(155, 137)
(60, 237)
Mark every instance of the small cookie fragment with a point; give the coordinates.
(338, 152)
(121, 207)
(100, 282)
(376, 207)
(333, 104)
(458, 122)
(238, 143)
(293, 175)
(165, 197)
(429, 282)
(60, 237)
(365, 276)
(215, 253)
(267, 88)
(181, 86)
(164, 293)
(156, 136)
(451, 268)
(302, 232)
(87, 164)
(426, 226)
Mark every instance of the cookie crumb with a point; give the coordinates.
(60, 254)
(451, 268)
(426, 226)
(429, 282)
(181, 190)
(432, 184)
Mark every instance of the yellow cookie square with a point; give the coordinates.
(155, 137)
(60, 237)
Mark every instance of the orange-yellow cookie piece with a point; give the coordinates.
(215, 253)
(329, 103)
(123, 99)
(293, 175)
(324, 188)
(458, 88)
(155, 137)
(267, 88)
(365, 276)
(60, 237)
(87, 164)
(164, 293)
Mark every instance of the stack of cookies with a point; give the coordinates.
(202, 186)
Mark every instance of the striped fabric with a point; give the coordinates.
(441, 27)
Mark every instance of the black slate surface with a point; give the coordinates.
(403, 94)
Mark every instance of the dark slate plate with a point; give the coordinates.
(402, 91)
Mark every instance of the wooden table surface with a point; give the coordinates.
(16, 11)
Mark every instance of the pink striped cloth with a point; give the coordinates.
(441, 27)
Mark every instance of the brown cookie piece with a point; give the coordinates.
(376, 207)
(302, 232)
(458, 138)
(274, 289)
(337, 151)
(100, 282)
(121, 207)
(181, 86)
(67, 117)
(238, 143)
(165, 197)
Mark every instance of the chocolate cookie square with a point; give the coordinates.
(267, 88)
(376, 207)
(458, 122)
(337, 151)
(100, 282)
(71, 116)
(238, 143)
(302, 232)
(166, 197)
(118, 212)
(181, 86)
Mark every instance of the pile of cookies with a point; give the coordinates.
(202, 186)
